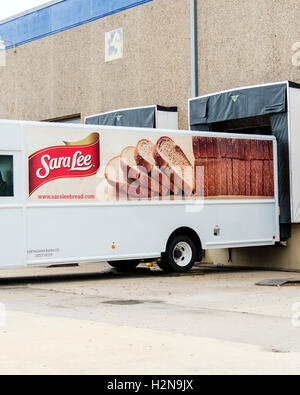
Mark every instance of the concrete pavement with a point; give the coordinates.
(207, 322)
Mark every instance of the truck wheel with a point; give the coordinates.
(124, 266)
(181, 254)
(163, 264)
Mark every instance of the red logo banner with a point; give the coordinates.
(81, 159)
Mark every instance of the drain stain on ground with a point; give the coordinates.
(130, 302)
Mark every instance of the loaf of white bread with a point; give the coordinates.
(150, 170)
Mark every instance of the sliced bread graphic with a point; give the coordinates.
(169, 155)
(153, 185)
(115, 176)
(144, 158)
(138, 191)
(143, 155)
(129, 165)
(133, 171)
(116, 179)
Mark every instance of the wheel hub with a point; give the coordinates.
(182, 254)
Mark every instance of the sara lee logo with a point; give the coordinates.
(79, 159)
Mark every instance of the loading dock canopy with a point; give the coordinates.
(260, 110)
(142, 117)
(238, 104)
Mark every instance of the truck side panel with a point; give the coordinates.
(113, 232)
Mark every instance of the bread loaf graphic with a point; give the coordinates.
(133, 171)
(223, 168)
(128, 164)
(150, 170)
(235, 167)
(115, 177)
(172, 159)
(143, 155)
(145, 160)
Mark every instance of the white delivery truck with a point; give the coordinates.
(78, 193)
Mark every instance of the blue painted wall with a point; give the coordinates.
(61, 16)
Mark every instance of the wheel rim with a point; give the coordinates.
(182, 254)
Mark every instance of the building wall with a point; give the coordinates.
(65, 73)
(246, 42)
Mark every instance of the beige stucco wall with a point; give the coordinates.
(246, 42)
(66, 74)
(241, 42)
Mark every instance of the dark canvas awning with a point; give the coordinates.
(238, 104)
(139, 117)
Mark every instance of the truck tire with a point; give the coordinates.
(124, 266)
(180, 256)
(163, 264)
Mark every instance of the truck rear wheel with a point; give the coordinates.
(124, 266)
(180, 256)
